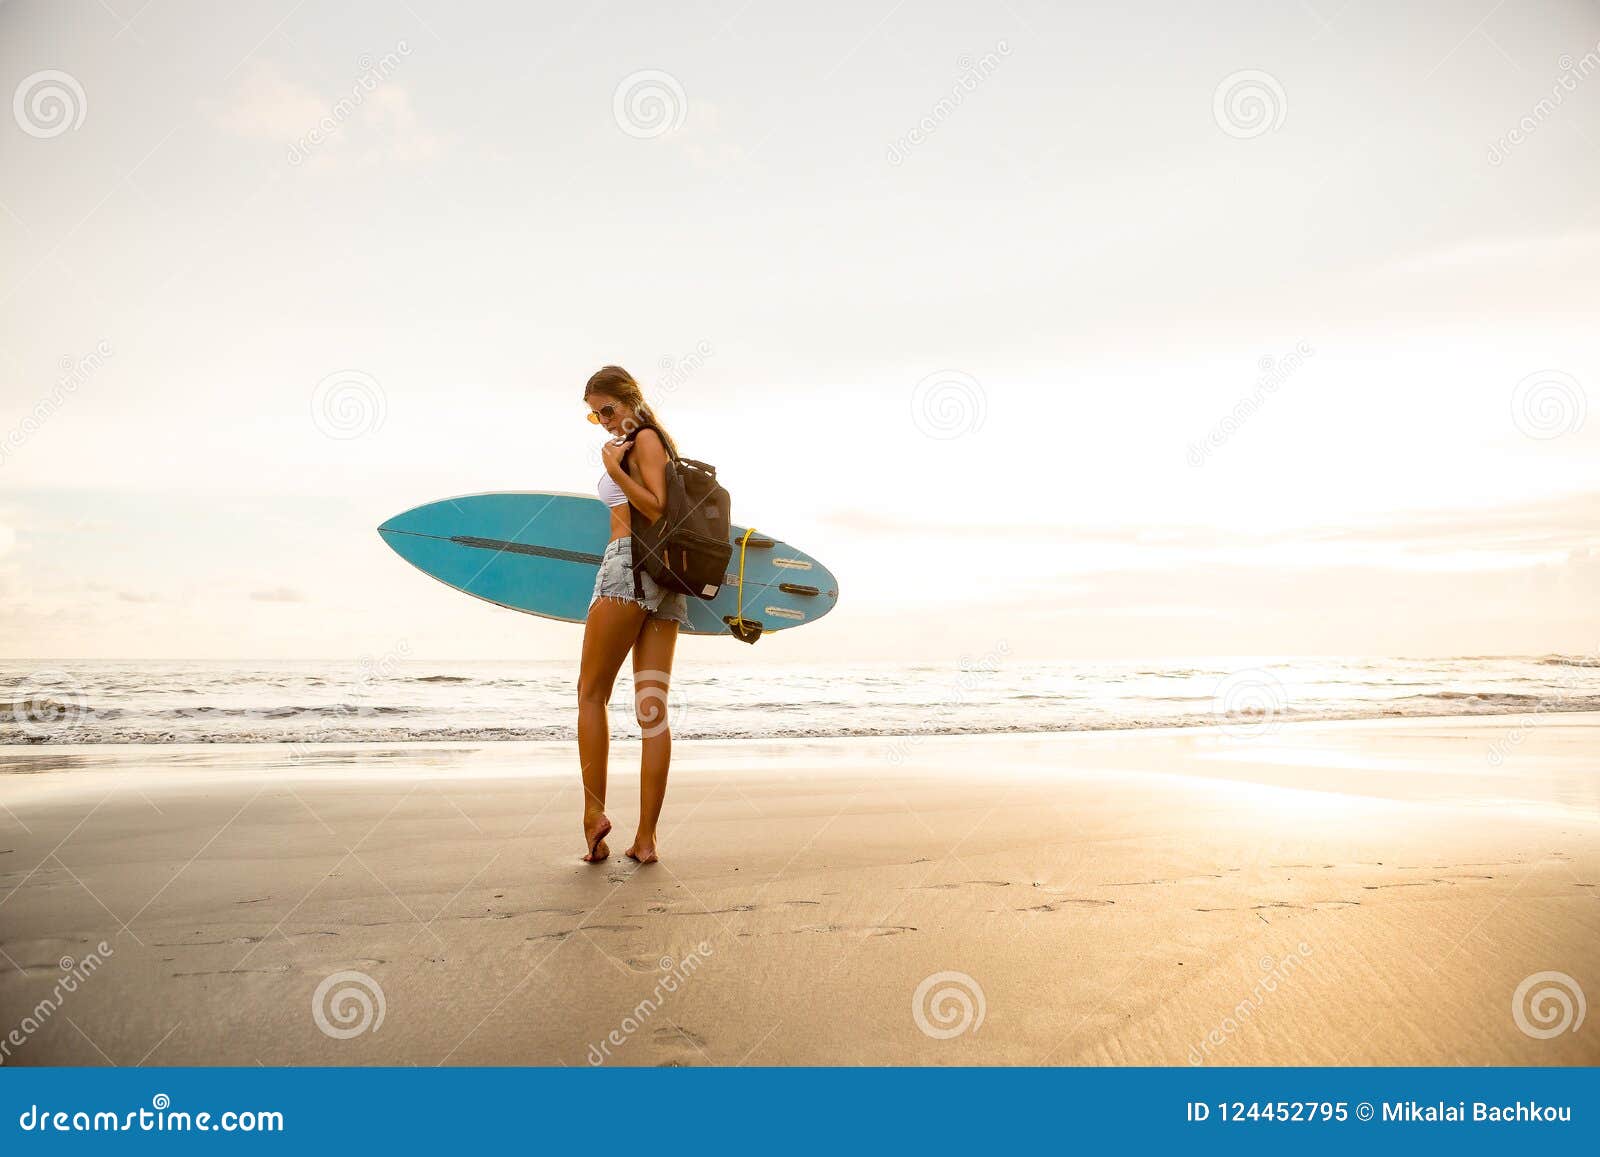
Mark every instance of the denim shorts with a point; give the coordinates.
(615, 580)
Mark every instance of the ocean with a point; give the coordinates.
(398, 699)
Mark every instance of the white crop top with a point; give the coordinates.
(610, 492)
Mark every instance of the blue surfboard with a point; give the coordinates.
(538, 552)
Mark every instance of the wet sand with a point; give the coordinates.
(1326, 893)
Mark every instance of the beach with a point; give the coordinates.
(1357, 892)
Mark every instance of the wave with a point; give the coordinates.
(42, 709)
(334, 711)
(288, 711)
(1508, 698)
(1437, 706)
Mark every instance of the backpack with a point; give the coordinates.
(687, 548)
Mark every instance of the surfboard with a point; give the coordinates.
(539, 551)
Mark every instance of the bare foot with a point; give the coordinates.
(596, 839)
(643, 850)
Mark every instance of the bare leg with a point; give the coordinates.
(652, 674)
(609, 631)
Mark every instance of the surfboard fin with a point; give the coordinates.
(745, 630)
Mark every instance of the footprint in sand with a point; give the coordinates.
(1057, 905)
(677, 1034)
(567, 932)
(1313, 905)
(678, 1047)
(1174, 880)
(663, 910)
(827, 929)
(198, 943)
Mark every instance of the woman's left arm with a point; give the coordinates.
(650, 457)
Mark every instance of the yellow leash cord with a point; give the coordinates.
(743, 539)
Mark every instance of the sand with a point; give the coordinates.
(1329, 893)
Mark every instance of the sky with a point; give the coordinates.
(1099, 331)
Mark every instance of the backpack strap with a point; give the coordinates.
(671, 453)
(635, 515)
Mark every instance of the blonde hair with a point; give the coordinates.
(616, 382)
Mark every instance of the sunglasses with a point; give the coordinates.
(606, 412)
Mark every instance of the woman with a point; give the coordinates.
(618, 621)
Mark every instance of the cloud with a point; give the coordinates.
(1543, 532)
(278, 595)
(1477, 253)
(267, 105)
(368, 121)
(704, 140)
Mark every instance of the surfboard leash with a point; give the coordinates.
(746, 631)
